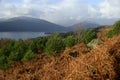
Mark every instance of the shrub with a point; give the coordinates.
(28, 56)
(14, 56)
(54, 45)
(4, 64)
(7, 48)
(40, 43)
(19, 49)
(32, 46)
(70, 41)
(110, 34)
(115, 30)
(88, 35)
(37, 44)
(64, 35)
(4, 54)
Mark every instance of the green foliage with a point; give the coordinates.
(38, 44)
(88, 35)
(32, 46)
(14, 56)
(4, 53)
(28, 56)
(19, 49)
(7, 48)
(25, 51)
(4, 64)
(115, 30)
(110, 34)
(64, 35)
(70, 41)
(11, 50)
(54, 45)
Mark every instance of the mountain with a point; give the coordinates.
(103, 21)
(84, 25)
(24, 24)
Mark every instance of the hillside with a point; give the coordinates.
(101, 63)
(25, 24)
(84, 25)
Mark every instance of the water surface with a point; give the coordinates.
(21, 35)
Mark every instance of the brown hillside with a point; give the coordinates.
(78, 63)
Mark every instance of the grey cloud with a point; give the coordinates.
(110, 9)
(66, 11)
(36, 13)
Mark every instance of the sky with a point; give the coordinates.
(64, 12)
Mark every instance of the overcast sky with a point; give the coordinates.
(61, 11)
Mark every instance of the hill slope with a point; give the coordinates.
(84, 25)
(101, 63)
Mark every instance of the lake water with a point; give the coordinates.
(21, 35)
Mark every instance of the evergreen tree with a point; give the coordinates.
(70, 41)
(54, 45)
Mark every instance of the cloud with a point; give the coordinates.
(61, 11)
(67, 11)
(110, 9)
(9, 8)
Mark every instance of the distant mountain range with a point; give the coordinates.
(28, 24)
(24, 24)
(84, 25)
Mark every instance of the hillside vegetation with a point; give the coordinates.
(115, 30)
(61, 57)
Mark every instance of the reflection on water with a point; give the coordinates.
(21, 35)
